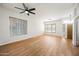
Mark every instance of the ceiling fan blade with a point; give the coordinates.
(31, 12)
(25, 6)
(31, 9)
(19, 8)
(22, 11)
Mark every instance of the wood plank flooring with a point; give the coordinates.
(45, 45)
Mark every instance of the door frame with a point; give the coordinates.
(75, 23)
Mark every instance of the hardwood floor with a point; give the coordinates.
(45, 45)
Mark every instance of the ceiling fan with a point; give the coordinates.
(26, 9)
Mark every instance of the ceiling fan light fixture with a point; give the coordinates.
(26, 11)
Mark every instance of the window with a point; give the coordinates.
(50, 28)
(17, 26)
(53, 26)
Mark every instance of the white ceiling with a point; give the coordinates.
(44, 10)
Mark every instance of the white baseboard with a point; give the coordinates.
(12, 41)
(53, 34)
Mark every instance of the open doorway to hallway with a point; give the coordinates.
(69, 31)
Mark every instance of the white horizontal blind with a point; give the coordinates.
(17, 26)
(50, 28)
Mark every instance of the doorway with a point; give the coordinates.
(69, 31)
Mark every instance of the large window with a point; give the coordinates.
(17, 26)
(50, 28)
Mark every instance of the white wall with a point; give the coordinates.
(33, 26)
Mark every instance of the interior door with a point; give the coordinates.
(69, 31)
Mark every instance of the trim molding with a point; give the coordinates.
(13, 41)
